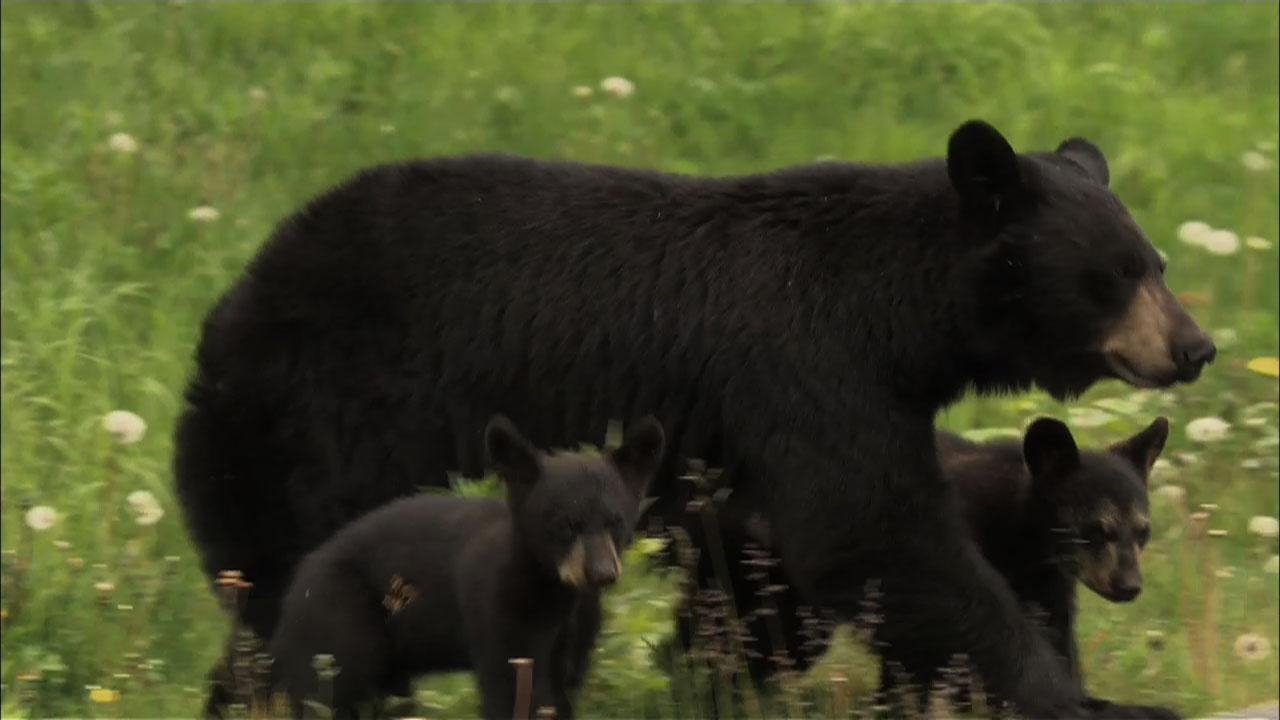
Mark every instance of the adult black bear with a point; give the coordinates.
(761, 318)
(433, 583)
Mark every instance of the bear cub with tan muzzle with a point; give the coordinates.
(1048, 515)
(434, 583)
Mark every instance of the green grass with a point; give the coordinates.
(253, 109)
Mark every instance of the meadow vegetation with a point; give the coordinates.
(148, 149)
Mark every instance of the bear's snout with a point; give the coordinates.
(1156, 343)
(602, 563)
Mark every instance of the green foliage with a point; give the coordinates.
(251, 109)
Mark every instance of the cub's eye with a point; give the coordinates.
(1142, 536)
(1096, 534)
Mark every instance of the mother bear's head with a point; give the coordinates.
(1069, 288)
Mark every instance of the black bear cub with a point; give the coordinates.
(1046, 515)
(434, 583)
(1043, 512)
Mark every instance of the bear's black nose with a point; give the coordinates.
(1193, 354)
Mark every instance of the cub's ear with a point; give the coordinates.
(983, 168)
(1088, 157)
(640, 454)
(1049, 449)
(1143, 449)
(509, 453)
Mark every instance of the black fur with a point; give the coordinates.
(760, 318)
(435, 583)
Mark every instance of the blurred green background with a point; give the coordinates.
(148, 149)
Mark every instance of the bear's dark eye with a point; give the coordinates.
(1131, 268)
(1142, 535)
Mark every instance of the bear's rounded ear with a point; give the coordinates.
(1143, 449)
(1049, 449)
(641, 453)
(1088, 157)
(983, 167)
(508, 452)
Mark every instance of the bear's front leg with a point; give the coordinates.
(573, 651)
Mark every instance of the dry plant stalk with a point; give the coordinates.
(840, 700)
(524, 687)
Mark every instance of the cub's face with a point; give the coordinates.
(1107, 519)
(576, 512)
(1070, 289)
(1097, 502)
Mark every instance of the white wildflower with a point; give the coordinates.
(1193, 232)
(1255, 161)
(386, 128)
(41, 517)
(146, 509)
(1264, 526)
(618, 87)
(1252, 646)
(1088, 417)
(1225, 573)
(1272, 565)
(1225, 338)
(204, 213)
(1162, 471)
(127, 428)
(1172, 494)
(257, 94)
(1208, 429)
(582, 91)
(1257, 243)
(1187, 459)
(123, 143)
(1222, 242)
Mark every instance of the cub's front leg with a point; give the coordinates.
(577, 641)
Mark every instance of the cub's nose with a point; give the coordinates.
(1192, 354)
(1126, 591)
(602, 574)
